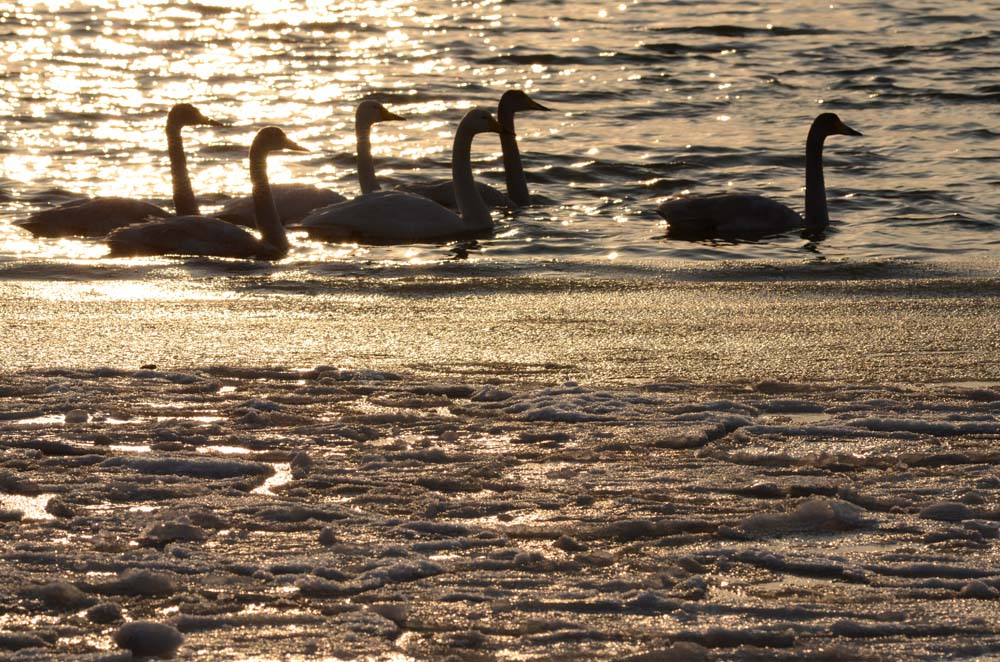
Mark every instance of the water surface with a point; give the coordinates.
(651, 99)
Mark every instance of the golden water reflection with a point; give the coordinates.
(86, 88)
(147, 55)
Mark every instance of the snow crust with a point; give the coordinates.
(277, 513)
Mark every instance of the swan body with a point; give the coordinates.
(386, 217)
(201, 235)
(728, 215)
(391, 217)
(191, 235)
(293, 201)
(96, 217)
(746, 215)
(443, 192)
(296, 201)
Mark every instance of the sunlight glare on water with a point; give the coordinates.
(650, 100)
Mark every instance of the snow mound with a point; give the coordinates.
(149, 639)
(812, 516)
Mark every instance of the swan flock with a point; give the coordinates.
(439, 211)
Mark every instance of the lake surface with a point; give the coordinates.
(651, 99)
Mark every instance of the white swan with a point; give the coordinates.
(735, 215)
(396, 217)
(295, 201)
(96, 217)
(202, 235)
(443, 192)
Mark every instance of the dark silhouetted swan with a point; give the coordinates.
(511, 102)
(734, 215)
(398, 217)
(443, 192)
(202, 235)
(296, 201)
(97, 217)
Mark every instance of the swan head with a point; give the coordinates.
(479, 120)
(184, 114)
(517, 100)
(828, 124)
(273, 139)
(370, 111)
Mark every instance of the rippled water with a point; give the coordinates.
(652, 98)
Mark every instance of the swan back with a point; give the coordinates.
(385, 217)
(89, 218)
(294, 202)
(727, 215)
(188, 235)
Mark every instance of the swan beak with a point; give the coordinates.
(848, 131)
(391, 117)
(537, 106)
(293, 146)
(208, 121)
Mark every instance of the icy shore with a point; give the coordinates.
(276, 514)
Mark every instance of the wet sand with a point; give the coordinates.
(799, 325)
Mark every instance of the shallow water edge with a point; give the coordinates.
(874, 322)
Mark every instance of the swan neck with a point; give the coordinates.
(366, 164)
(816, 212)
(265, 212)
(185, 203)
(513, 170)
(475, 213)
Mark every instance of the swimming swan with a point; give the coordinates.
(748, 215)
(295, 201)
(443, 192)
(397, 217)
(202, 235)
(96, 217)
(511, 102)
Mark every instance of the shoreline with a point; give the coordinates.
(880, 328)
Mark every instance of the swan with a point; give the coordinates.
(295, 201)
(397, 217)
(747, 215)
(96, 217)
(443, 192)
(202, 235)
(511, 102)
